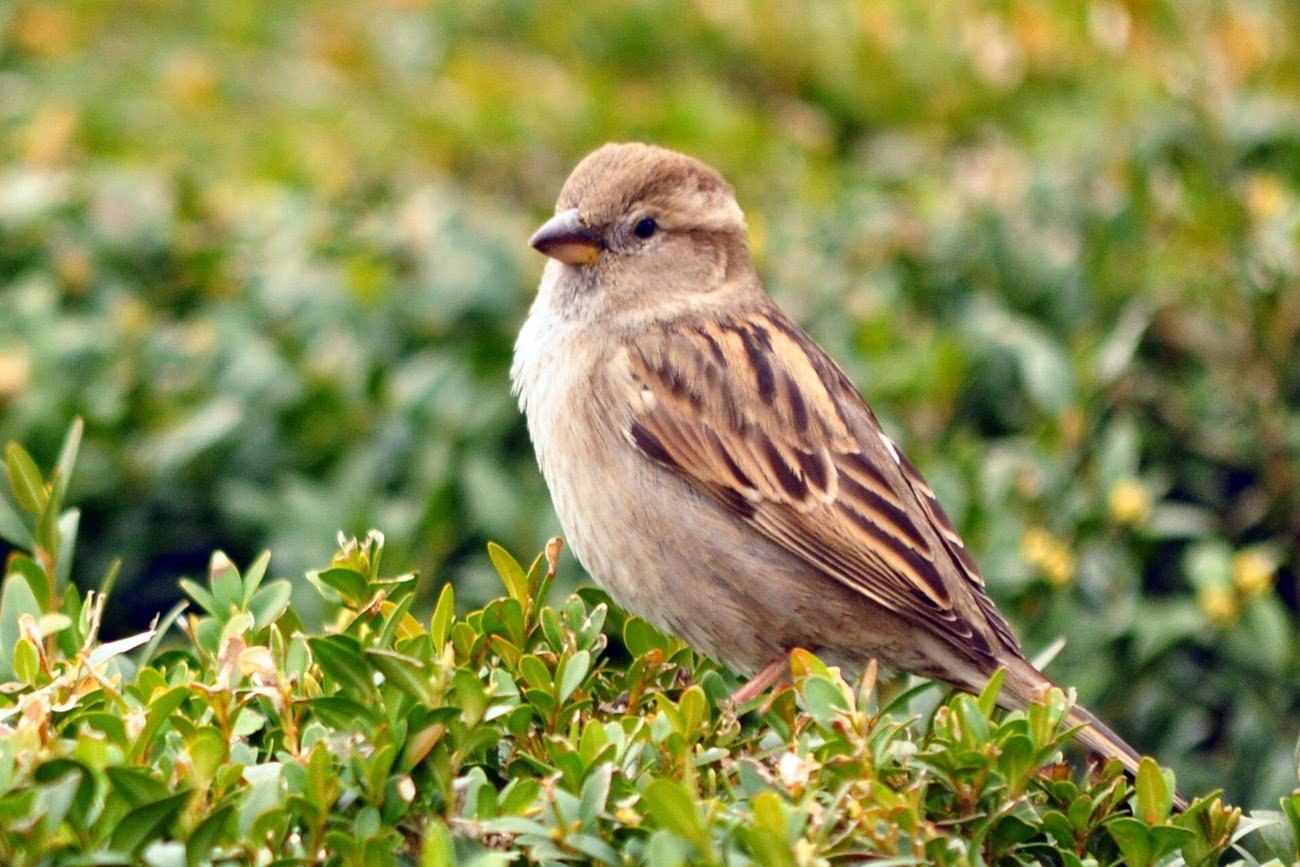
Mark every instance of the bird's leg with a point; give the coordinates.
(758, 684)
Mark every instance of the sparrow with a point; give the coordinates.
(716, 472)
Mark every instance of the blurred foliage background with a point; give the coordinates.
(275, 256)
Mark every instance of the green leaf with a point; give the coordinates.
(1209, 564)
(210, 833)
(988, 699)
(109, 724)
(145, 824)
(205, 600)
(1120, 451)
(340, 712)
(665, 849)
(69, 525)
(47, 530)
(1133, 839)
(341, 661)
(350, 584)
(1012, 830)
(974, 723)
(443, 615)
(25, 567)
(770, 842)
(574, 673)
(1143, 845)
(551, 628)
(27, 661)
(25, 480)
(640, 637)
(470, 696)
(1291, 809)
(694, 707)
(264, 795)
(672, 807)
(12, 528)
(67, 461)
(1016, 761)
(109, 581)
(539, 579)
(1264, 637)
(396, 588)
(227, 589)
(594, 848)
(1044, 368)
(410, 675)
(71, 639)
(253, 576)
(1154, 799)
(208, 749)
(512, 574)
(395, 616)
(519, 795)
(824, 699)
(136, 785)
(535, 673)
(160, 711)
(207, 635)
(269, 602)
(16, 599)
(436, 849)
(104, 652)
(505, 617)
(1167, 839)
(57, 799)
(61, 771)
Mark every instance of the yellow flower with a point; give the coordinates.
(76, 268)
(1265, 196)
(45, 29)
(1253, 570)
(1048, 555)
(188, 79)
(1219, 603)
(51, 134)
(1035, 544)
(15, 373)
(1129, 502)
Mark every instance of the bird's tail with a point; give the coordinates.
(1098, 737)
(1024, 682)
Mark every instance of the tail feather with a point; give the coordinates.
(1098, 737)
(1024, 682)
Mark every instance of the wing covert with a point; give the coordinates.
(756, 416)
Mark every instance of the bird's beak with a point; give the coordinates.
(563, 237)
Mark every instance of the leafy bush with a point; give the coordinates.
(275, 257)
(567, 732)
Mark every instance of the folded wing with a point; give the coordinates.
(756, 416)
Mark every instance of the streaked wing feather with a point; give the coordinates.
(961, 557)
(757, 417)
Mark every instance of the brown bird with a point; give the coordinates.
(716, 471)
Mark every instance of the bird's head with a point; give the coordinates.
(647, 225)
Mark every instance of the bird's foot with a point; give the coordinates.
(758, 684)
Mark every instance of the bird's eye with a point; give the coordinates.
(645, 228)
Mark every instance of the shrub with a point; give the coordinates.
(274, 254)
(551, 732)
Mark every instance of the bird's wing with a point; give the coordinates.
(756, 416)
